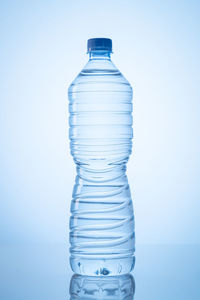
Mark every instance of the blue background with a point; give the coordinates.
(156, 46)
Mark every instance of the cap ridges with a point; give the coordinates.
(99, 44)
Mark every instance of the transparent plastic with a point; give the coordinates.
(102, 221)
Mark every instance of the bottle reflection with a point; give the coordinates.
(105, 288)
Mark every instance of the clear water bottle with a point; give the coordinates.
(102, 221)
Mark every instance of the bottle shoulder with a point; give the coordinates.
(102, 76)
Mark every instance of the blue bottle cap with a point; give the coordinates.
(99, 44)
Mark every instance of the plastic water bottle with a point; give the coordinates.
(102, 222)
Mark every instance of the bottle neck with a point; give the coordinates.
(99, 55)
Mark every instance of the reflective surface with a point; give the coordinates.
(107, 288)
(43, 272)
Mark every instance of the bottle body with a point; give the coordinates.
(102, 220)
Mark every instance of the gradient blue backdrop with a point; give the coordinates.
(156, 46)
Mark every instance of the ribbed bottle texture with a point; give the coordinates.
(102, 221)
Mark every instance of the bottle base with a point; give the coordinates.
(102, 267)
